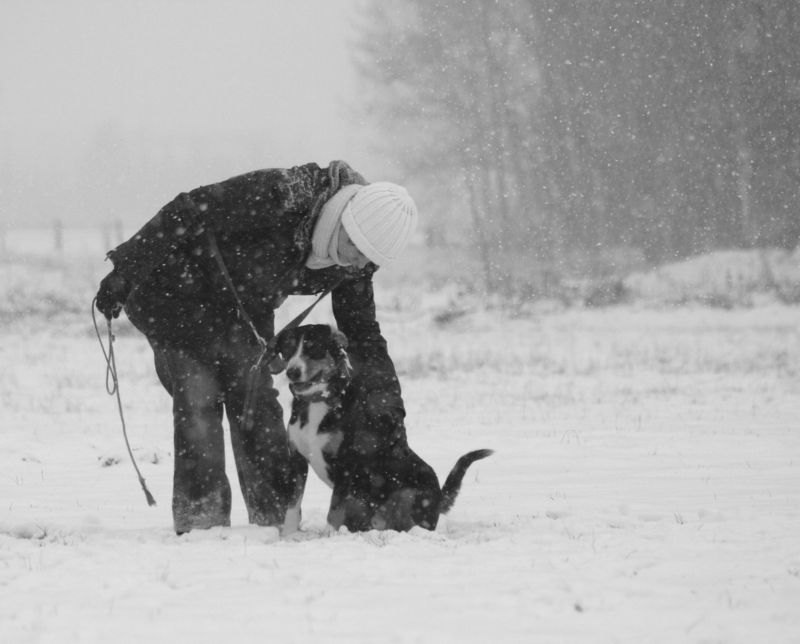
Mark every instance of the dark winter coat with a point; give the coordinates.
(262, 222)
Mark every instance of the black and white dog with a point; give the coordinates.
(383, 489)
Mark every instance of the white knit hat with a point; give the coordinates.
(380, 219)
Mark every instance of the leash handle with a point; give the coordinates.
(113, 390)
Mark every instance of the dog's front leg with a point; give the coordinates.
(299, 468)
(336, 511)
(349, 508)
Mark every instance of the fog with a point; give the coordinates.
(107, 110)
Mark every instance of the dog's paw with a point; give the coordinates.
(330, 531)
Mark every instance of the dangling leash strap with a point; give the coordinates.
(267, 347)
(112, 387)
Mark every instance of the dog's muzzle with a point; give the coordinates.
(303, 387)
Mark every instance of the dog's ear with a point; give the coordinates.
(282, 349)
(341, 343)
(277, 364)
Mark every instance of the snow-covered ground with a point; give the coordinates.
(645, 486)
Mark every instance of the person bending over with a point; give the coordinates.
(279, 232)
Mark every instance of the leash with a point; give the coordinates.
(243, 314)
(267, 347)
(112, 388)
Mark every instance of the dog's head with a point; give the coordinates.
(314, 357)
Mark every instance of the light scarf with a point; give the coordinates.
(325, 237)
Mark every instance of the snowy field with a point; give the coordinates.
(645, 486)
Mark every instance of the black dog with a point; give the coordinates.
(393, 489)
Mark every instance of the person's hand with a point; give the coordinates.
(114, 290)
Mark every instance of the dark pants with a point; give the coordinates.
(204, 382)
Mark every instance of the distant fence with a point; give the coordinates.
(59, 239)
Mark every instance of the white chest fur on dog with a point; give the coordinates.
(309, 442)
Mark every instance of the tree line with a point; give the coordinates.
(549, 128)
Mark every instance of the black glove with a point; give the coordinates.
(114, 290)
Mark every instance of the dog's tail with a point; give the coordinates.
(453, 483)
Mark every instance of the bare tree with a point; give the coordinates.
(569, 127)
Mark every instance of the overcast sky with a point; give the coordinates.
(172, 68)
